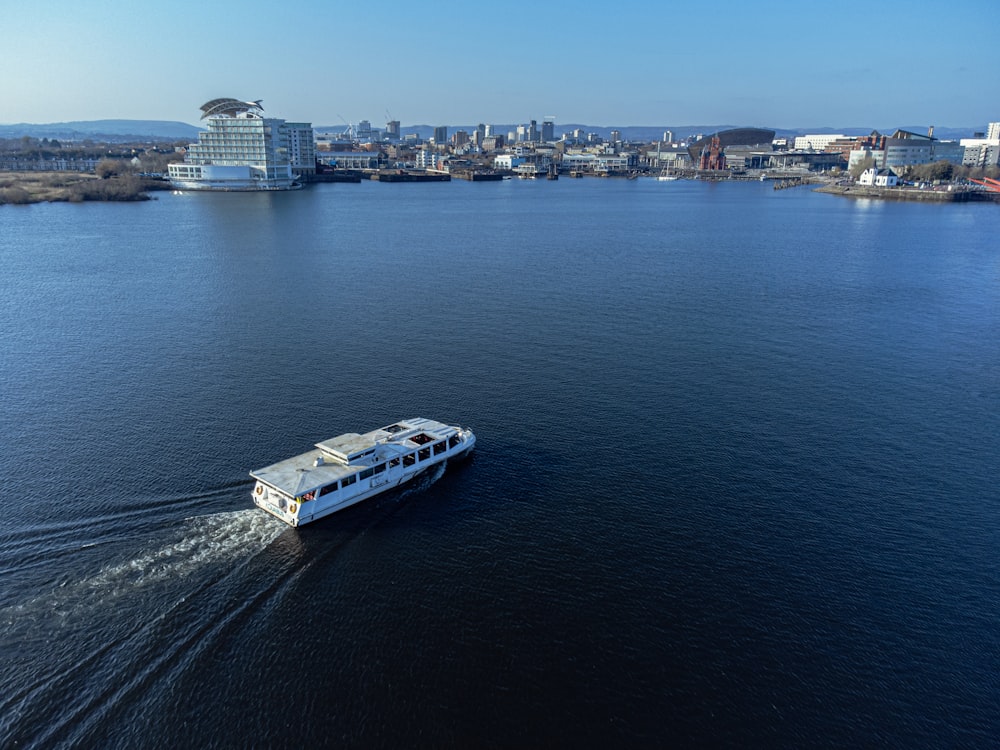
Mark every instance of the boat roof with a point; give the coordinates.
(349, 453)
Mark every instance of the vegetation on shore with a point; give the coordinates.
(121, 173)
(20, 188)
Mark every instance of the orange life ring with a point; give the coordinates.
(293, 507)
(260, 489)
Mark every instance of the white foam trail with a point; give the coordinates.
(209, 539)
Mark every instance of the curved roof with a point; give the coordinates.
(734, 137)
(229, 107)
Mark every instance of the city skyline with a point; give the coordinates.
(632, 64)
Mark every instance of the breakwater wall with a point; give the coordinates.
(910, 194)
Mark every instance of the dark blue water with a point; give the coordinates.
(736, 479)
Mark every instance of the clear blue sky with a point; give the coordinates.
(632, 62)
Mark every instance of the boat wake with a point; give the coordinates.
(84, 649)
(202, 542)
(206, 539)
(84, 633)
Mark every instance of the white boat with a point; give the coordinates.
(350, 468)
(667, 176)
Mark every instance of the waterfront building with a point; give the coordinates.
(873, 177)
(243, 150)
(301, 146)
(669, 156)
(981, 152)
(864, 152)
(599, 163)
(726, 138)
(508, 161)
(819, 142)
(905, 149)
(993, 132)
(428, 159)
(349, 159)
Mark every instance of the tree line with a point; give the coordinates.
(41, 149)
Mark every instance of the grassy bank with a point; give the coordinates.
(19, 188)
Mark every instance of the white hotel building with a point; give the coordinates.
(243, 150)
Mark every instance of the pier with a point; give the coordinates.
(407, 175)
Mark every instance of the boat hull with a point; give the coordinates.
(391, 467)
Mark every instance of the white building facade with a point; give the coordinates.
(815, 142)
(981, 152)
(243, 150)
(878, 178)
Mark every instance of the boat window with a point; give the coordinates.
(421, 438)
(378, 468)
(453, 441)
(409, 459)
(394, 462)
(394, 428)
(424, 453)
(346, 481)
(440, 447)
(366, 474)
(328, 489)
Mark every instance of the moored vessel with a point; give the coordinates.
(349, 468)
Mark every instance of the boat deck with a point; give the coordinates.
(350, 453)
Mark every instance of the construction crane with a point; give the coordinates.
(349, 133)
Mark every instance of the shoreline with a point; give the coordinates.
(26, 188)
(910, 194)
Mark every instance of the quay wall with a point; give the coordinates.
(909, 194)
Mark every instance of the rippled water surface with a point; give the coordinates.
(736, 478)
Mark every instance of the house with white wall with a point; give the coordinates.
(878, 178)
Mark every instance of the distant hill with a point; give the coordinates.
(104, 130)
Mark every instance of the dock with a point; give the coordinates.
(477, 175)
(409, 175)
